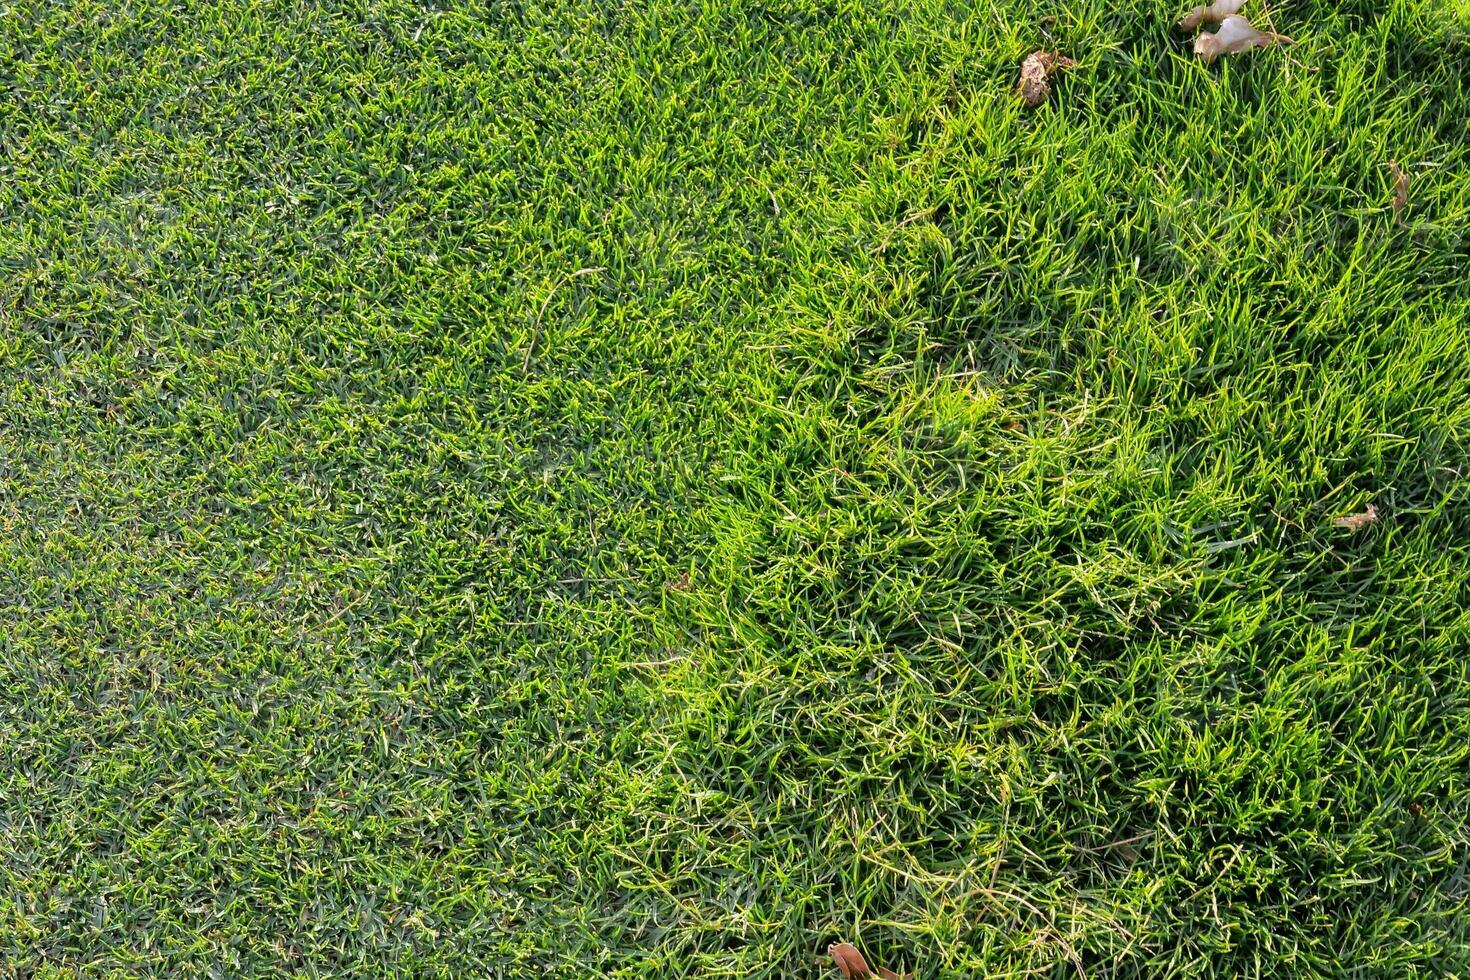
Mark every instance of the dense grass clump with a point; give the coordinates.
(571, 489)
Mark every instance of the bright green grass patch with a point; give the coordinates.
(550, 490)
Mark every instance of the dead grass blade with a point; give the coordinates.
(1400, 191)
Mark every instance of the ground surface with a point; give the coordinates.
(497, 489)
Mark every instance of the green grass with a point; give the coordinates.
(565, 489)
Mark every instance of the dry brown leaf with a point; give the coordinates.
(1234, 36)
(849, 961)
(1036, 71)
(854, 967)
(1400, 190)
(1211, 14)
(1354, 522)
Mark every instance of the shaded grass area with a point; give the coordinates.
(555, 490)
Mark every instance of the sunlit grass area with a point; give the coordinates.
(578, 489)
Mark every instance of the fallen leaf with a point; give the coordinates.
(1036, 71)
(854, 967)
(1211, 14)
(680, 584)
(1354, 522)
(1400, 189)
(849, 961)
(1234, 36)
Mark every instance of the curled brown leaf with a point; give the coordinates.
(1355, 522)
(1036, 72)
(1210, 14)
(854, 967)
(1234, 36)
(849, 961)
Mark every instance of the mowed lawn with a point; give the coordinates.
(565, 489)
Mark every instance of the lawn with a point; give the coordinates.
(571, 489)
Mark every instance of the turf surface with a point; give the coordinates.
(498, 489)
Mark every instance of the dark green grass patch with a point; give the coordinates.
(577, 489)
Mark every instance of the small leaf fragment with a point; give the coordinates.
(1400, 190)
(1211, 14)
(1036, 72)
(1234, 36)
(1355, 522)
